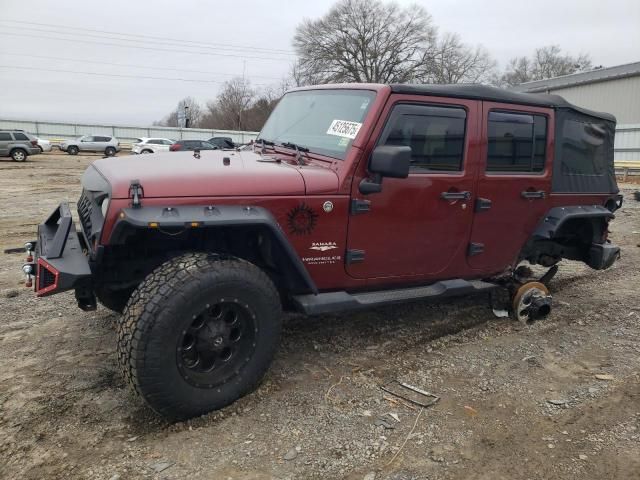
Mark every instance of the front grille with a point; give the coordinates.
(45, 277)
(85, 206)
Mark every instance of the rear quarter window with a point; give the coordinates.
(583, 148)
(20, 136)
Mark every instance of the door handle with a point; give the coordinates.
(529, 195)
(455, 195)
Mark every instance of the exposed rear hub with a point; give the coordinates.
(531, 302)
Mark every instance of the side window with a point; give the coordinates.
(5, 136)
(583, 148)
(20, 136)
(517, 142)
(87, 139)
(435, 135)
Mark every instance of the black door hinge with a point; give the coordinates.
(136, 192)
(475, 249)
(354, 256)
(482, 204)
(360, 206)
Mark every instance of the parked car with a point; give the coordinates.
(45, 145)
(18, 145)
(92, 143)
(151, 145)
(375, 195)
(222, 142)
(180, 145)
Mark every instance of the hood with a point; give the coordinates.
(180, 174)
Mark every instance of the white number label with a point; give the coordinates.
(344, 128)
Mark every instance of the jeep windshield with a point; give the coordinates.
(322, 121)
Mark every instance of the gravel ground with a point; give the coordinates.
(559, 399)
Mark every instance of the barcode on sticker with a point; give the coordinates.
(344, 128)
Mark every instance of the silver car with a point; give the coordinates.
(92, 143)
(18, 145)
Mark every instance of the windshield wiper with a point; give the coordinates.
(298, 149)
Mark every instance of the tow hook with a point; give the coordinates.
(531, 302)
(29, 271)
(29, 268)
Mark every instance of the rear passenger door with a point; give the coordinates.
(5, 142)
(514, 183)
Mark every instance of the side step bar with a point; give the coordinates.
(333, 302)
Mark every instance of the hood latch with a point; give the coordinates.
(136, 192)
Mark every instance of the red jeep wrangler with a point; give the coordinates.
(353, 196)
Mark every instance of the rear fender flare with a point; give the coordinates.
(214, 216)
(555, 218)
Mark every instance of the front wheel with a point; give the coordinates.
(72, 150)
(19, 155)
(198, 333)
(109, 151)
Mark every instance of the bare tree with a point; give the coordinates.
(194, 113)
(455, 62)
(235, 97)
(364, 41)
(546, 62)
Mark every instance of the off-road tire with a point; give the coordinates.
(110, 151)
(73, 150)
(161, 309)
(114, 300)
(18, 155)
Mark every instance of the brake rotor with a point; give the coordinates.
(522, 299)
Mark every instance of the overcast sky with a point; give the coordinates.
(250, 36)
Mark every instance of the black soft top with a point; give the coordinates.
(494, 94)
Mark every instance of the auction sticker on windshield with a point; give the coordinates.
(344, 128)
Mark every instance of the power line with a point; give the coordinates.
(133, 66)
(247, 47)
(145, 48)
(117, 75)
(237, 50)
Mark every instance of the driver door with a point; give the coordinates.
(418, 227)
(86, 143)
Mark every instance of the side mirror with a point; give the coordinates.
(391, 161)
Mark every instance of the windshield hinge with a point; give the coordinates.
(360, 206)
(354, 256)
(136, 192)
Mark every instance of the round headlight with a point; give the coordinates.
(104, 207)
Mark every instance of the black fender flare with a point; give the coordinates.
(212, 216)
(558, 216)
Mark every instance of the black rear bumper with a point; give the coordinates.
(60, 260)
(602, 256)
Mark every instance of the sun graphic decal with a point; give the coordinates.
(302, 220)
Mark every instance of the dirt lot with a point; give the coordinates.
(559, 399)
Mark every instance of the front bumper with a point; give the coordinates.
(60, 261)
